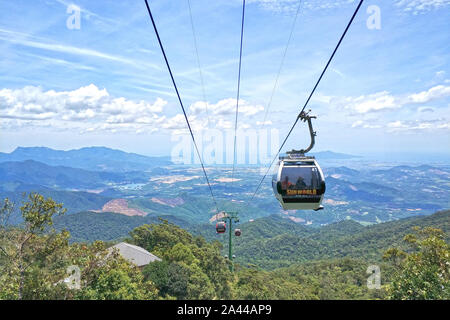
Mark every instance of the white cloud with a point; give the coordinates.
(91, 109)
(264, 123)
(226, 107)
(86, 105)
(176, 122)
(221, 116)
(385, 101)
(374, 102)
(436, 92)
(357, 124)
(421, 6)
(224, 124)
(440, 74)
(290, 6)
(425, 109)
(379, 101)
(418, 125)
(396, 124)
(89, 14)
(365, 125)
(27, 40)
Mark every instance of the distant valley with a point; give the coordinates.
(101, 180)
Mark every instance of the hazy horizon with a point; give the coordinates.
(105, 83)
(400, 157)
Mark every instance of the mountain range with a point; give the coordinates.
(369, 194)
(89, 158)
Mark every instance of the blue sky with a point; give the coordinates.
(387, 90)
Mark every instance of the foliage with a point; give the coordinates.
(73, 201)
(107, 276)
(34, 259)
(25, 250)
(107, 226)
(191, 268)
(326, 263)
(270, 245)
(424, 272)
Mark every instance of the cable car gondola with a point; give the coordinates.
(237, 232)
(298, 181)
(221, 227)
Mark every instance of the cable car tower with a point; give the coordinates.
(228, 219)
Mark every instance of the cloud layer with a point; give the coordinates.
(421, 6)
(383, 101)
(424, 110)
(91, 109)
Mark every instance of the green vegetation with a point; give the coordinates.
(274, 242)
(425, 272)
(330, 279)
(73, 201)
(34, 259)
(107, 226)
(191, 268)
(327, 263)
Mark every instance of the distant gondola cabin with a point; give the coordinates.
(221, 227)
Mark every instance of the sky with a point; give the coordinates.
(103, 82)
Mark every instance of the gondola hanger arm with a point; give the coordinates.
(306, 117)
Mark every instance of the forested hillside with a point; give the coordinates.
(74, 201)
(269, 242)
(284, 245)
(106, 226)
(326, 263)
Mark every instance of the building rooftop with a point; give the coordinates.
(134, 254)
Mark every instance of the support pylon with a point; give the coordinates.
(230, 217)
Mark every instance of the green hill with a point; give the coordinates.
(73, 201)
(277, 258)
(338, 240)
(107, 226)
(269, 242)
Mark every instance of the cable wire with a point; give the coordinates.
(181, 103)
(198, 62)
(238, 93)
(281, 63)
(309, 97)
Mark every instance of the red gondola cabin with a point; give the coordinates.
(221, 227)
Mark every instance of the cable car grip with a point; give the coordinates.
(305, 117)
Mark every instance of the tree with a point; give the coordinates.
(158, 273)
(158, 238)
(177, 284)
(26, 249)
(34, 260)
(191, 269)
(424, 272)
(114, 278)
